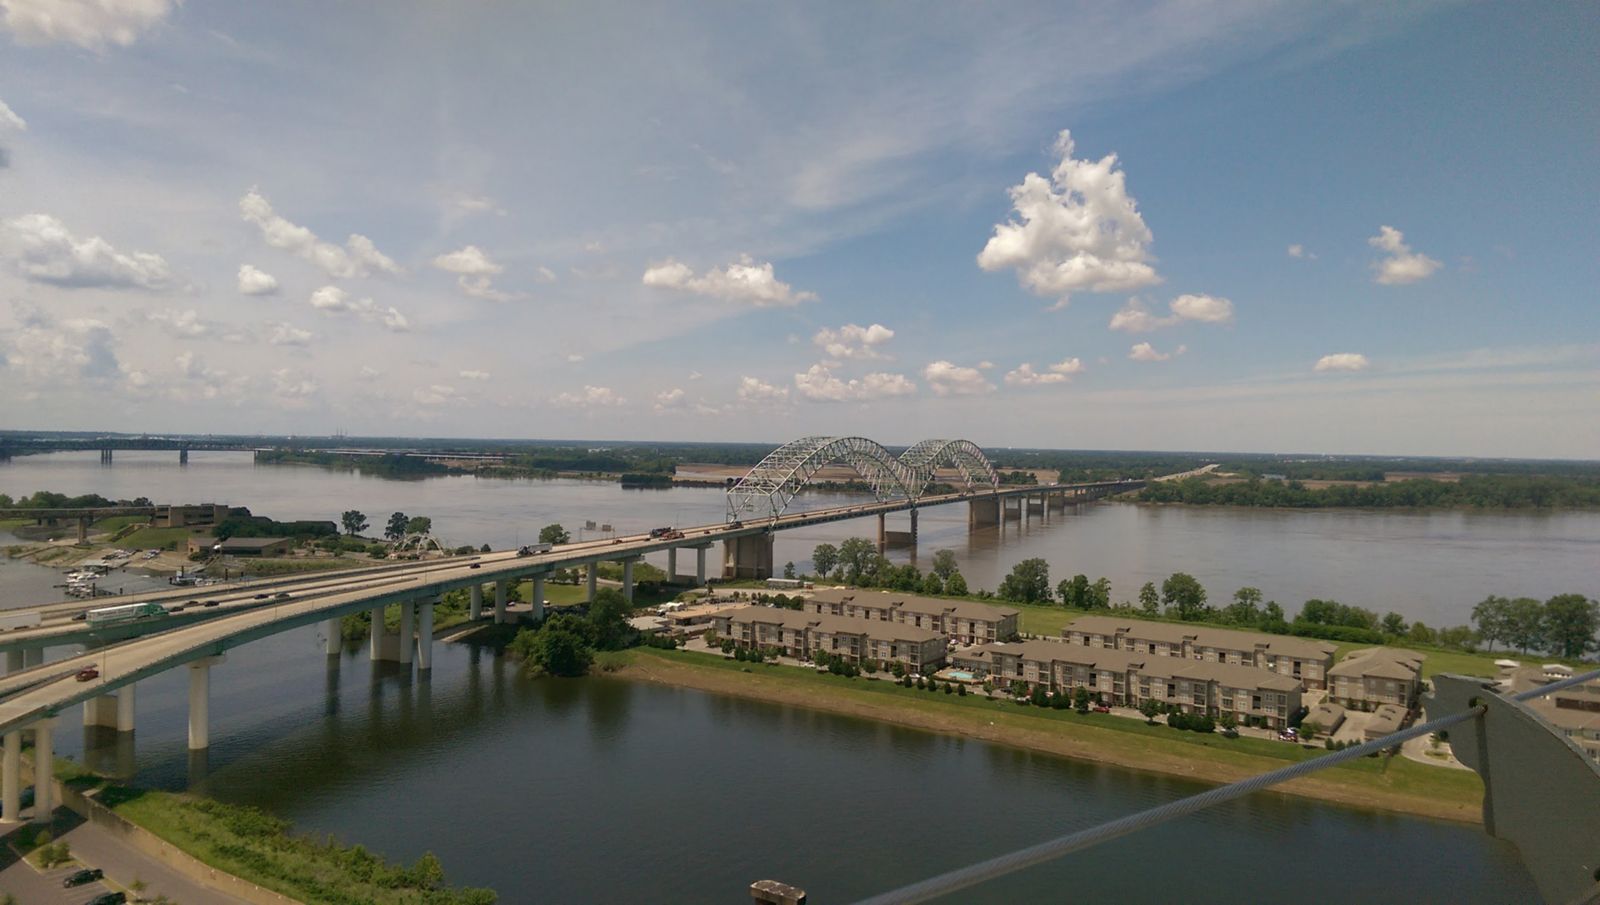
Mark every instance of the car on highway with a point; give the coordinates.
(80, 877)
(88, 674)
(282, 595)
(212, 602)
(81, 616)
(108, 898)
(476, 565)
(261, 597)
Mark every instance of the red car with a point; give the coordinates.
(88, 673)
(1101, 708)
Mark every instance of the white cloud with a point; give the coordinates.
(201, 381)
(819, 385)
(591, 397)
(546, 275)
(465, 205)
(45, 352)
(288, 386)
(45, 251)
(181, 323)
(436, 395)
(284, 334)
(1299, 251)
(475, 375)
(947, 379)
(470, 261)
(1079, 231)
(1402, 264)
(332, 300)
(754, 390)
(256, 282)
(91, 24)
(483, 288)
(1206, 309)
(574, 358)
(746, 282)
(358, 258)
(368, 372)
(853, 341)
(1060, 372)
(670, 399)
(1147, 352)
(10, 121)
(1342, 361)
(695, 375)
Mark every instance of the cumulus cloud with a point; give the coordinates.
(1401, 265)
(437, 394)
(574, 358)
(368, 372)
(470, 261)
(853, 341)
(475, 375)
(1060, 372)
(181, 323)
(332, 300)
(358, 258)
(256, 282)
(10, 121)
(1299, 251)
(1206, 309)
(591, 397)
(90, 24)
(44, 351)
(285, 334)
(669, 400)
(201, 381)
(746, 282)
(753, 390)
(1342, 361)
(947, 379)
(819, 385)
(546, 275)
(1147, 352)
(43, 250)
(1078, 231)
(290, 386)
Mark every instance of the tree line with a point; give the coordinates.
(856, 561)
(1471, 491)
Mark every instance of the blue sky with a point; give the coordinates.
(1335, 228)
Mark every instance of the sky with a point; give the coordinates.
(1256, 226)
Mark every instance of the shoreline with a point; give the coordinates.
(1015, 727)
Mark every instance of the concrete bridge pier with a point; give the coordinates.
(44, 762)
(536, 595)
(747, 557)
(375, 639)
(593, 580)
(883, 533)
(105, 457)
(13, 661)
(83, 529)
(983, 512)
(700, 566)
(113, 710)
(627, 578)
(424, 636)
(475, 603)
(1010, 512)
(333, 632)
(500, 590)
(199, 702)
(408, 611)
(183, 457)
(33, 657)
(11, 778)
(672, 565)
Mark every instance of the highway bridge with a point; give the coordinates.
(201, 624)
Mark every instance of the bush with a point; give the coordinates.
(961, 691)
(949, 689)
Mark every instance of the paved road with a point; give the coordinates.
(95, 846)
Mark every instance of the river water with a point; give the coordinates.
(604, 791)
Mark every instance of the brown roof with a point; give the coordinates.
(1230, 674)
(839, 625)
(914, 603)
(1203, 635)
(1380, 663)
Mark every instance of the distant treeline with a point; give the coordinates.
(240, 523)
(386, 466)
(45, 499)
(1470, 492)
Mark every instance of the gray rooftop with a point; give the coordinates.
(1380, 663)
(1230, 674)
(839, 625)
(1203, 635)
(914, 603)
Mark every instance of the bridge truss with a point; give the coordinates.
(768, 488)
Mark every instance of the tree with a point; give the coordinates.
(1080, 699)
(944, 564)
(1074, 592)
(354, 522)
(1272, 619)
(1419, 633)
(419, 525)
(560, 652)
(932, 585)
(1183, 593)
(1525, 624)
(1245, 608)
(1570, 623)
(1149, 601)
(1490, 617)
(1149, 708)
(1100, 594)
(1029, 582)
(554, 534)
(396, 528)
(608, 618)
(1394, 624)
(823, 558)
(955, 585)
(856, 558)
(788, 570)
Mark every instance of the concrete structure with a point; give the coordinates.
(960, 620)
(1366, 679)
(1126, 678)
(1387, 719)
(1574, 712)
(185, 516)
(747, 557)
(1328, 717)
(1298, 658)
(803, 635)
(243, 546)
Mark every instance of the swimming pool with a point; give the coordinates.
(960, 675)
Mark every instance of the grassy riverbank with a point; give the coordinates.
(1390, 784)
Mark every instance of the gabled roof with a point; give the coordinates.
(916, 603)
(1380, 663)
(1202, 635)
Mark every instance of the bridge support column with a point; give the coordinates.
(424, 636)
(34, 657)
(627, 579)
(125, 700)
(11, 778)
(13, 661)
(375, 641)
(100, 710)
(200, 702)
(183, 457)
(536, 594)
(672, 565)
(593, 580)
(500, 601)
(883, 531)
(334, 630)
(700, 567)
(747, 557)
(913, 527)
(44, 762)
(407, 616)
(83, 530)
(475, 604)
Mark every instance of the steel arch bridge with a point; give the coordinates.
(768, 488)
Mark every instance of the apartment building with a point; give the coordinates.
(1127, 678)
(1304, 659)
(801, 634)
(1574, 712)
(1368, 679)
(965, 621)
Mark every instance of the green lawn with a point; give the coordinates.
(118, 522)
(158, 538)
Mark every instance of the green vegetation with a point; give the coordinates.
(45, 499)
(564, 644)
(554, 534)
(258, 847)
(1489, 491)
(159, 538)
(383, 466)
(353, 521)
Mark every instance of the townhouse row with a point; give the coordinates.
(1128, 678)
(963, 621)
(1304, 659)
(800, 634)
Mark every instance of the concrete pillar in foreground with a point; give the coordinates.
(913, 527)
(672, 565)
(375, 641)
(627, 579)
(200, 702)
(536, 594)
(500, 601)
(100, 710)
(125, 700)
(883, 532)
(475, 603)
(44, 763)
(700, 567)
(33, 657)
(407, 612)
(11, 777)
(424, 636)
(13, 661)
(334, 629)
(593, 580)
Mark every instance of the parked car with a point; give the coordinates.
(108, 898)
(80, 877)
(1289, 735)
(1101, 708)
(88, 674)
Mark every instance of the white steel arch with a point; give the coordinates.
(768, 488)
